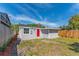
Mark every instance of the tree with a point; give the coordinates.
(73, 23)
(36, 25)
(65, 27)
(15, 27)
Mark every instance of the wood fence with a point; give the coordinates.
(69, 33)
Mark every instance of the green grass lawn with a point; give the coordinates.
(48, 47)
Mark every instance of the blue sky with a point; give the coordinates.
(48, 14)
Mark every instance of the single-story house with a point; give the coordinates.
(26, 33)
(5, 31)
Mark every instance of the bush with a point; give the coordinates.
(75, 47)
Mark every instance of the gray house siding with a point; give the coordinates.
(5, 31)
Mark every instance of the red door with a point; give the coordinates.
(38, 32)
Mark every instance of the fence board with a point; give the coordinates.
(69, 33)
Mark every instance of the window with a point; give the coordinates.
(26, 30)
(52, 31)
(45, 31)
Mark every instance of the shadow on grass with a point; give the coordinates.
(14, 47)
(74, 47)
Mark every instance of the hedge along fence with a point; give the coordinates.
(69, 33)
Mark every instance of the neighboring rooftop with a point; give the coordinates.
(4, 18)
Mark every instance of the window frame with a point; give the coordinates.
(26, 30)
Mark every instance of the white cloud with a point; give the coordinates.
(25, 18)
(34, 10)
(30, 8)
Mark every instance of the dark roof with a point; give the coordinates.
(4, 18)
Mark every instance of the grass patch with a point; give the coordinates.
(34, 47)
(75, 47)
(45, 47)
(66, 40)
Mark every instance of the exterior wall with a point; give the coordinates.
(43, 34)
(32, 34)
(5, 34)
(49, 35)
(26, 36)
(53, 35)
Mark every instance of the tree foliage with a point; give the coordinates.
(73, 23)
(15, 27)
(36, 25)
